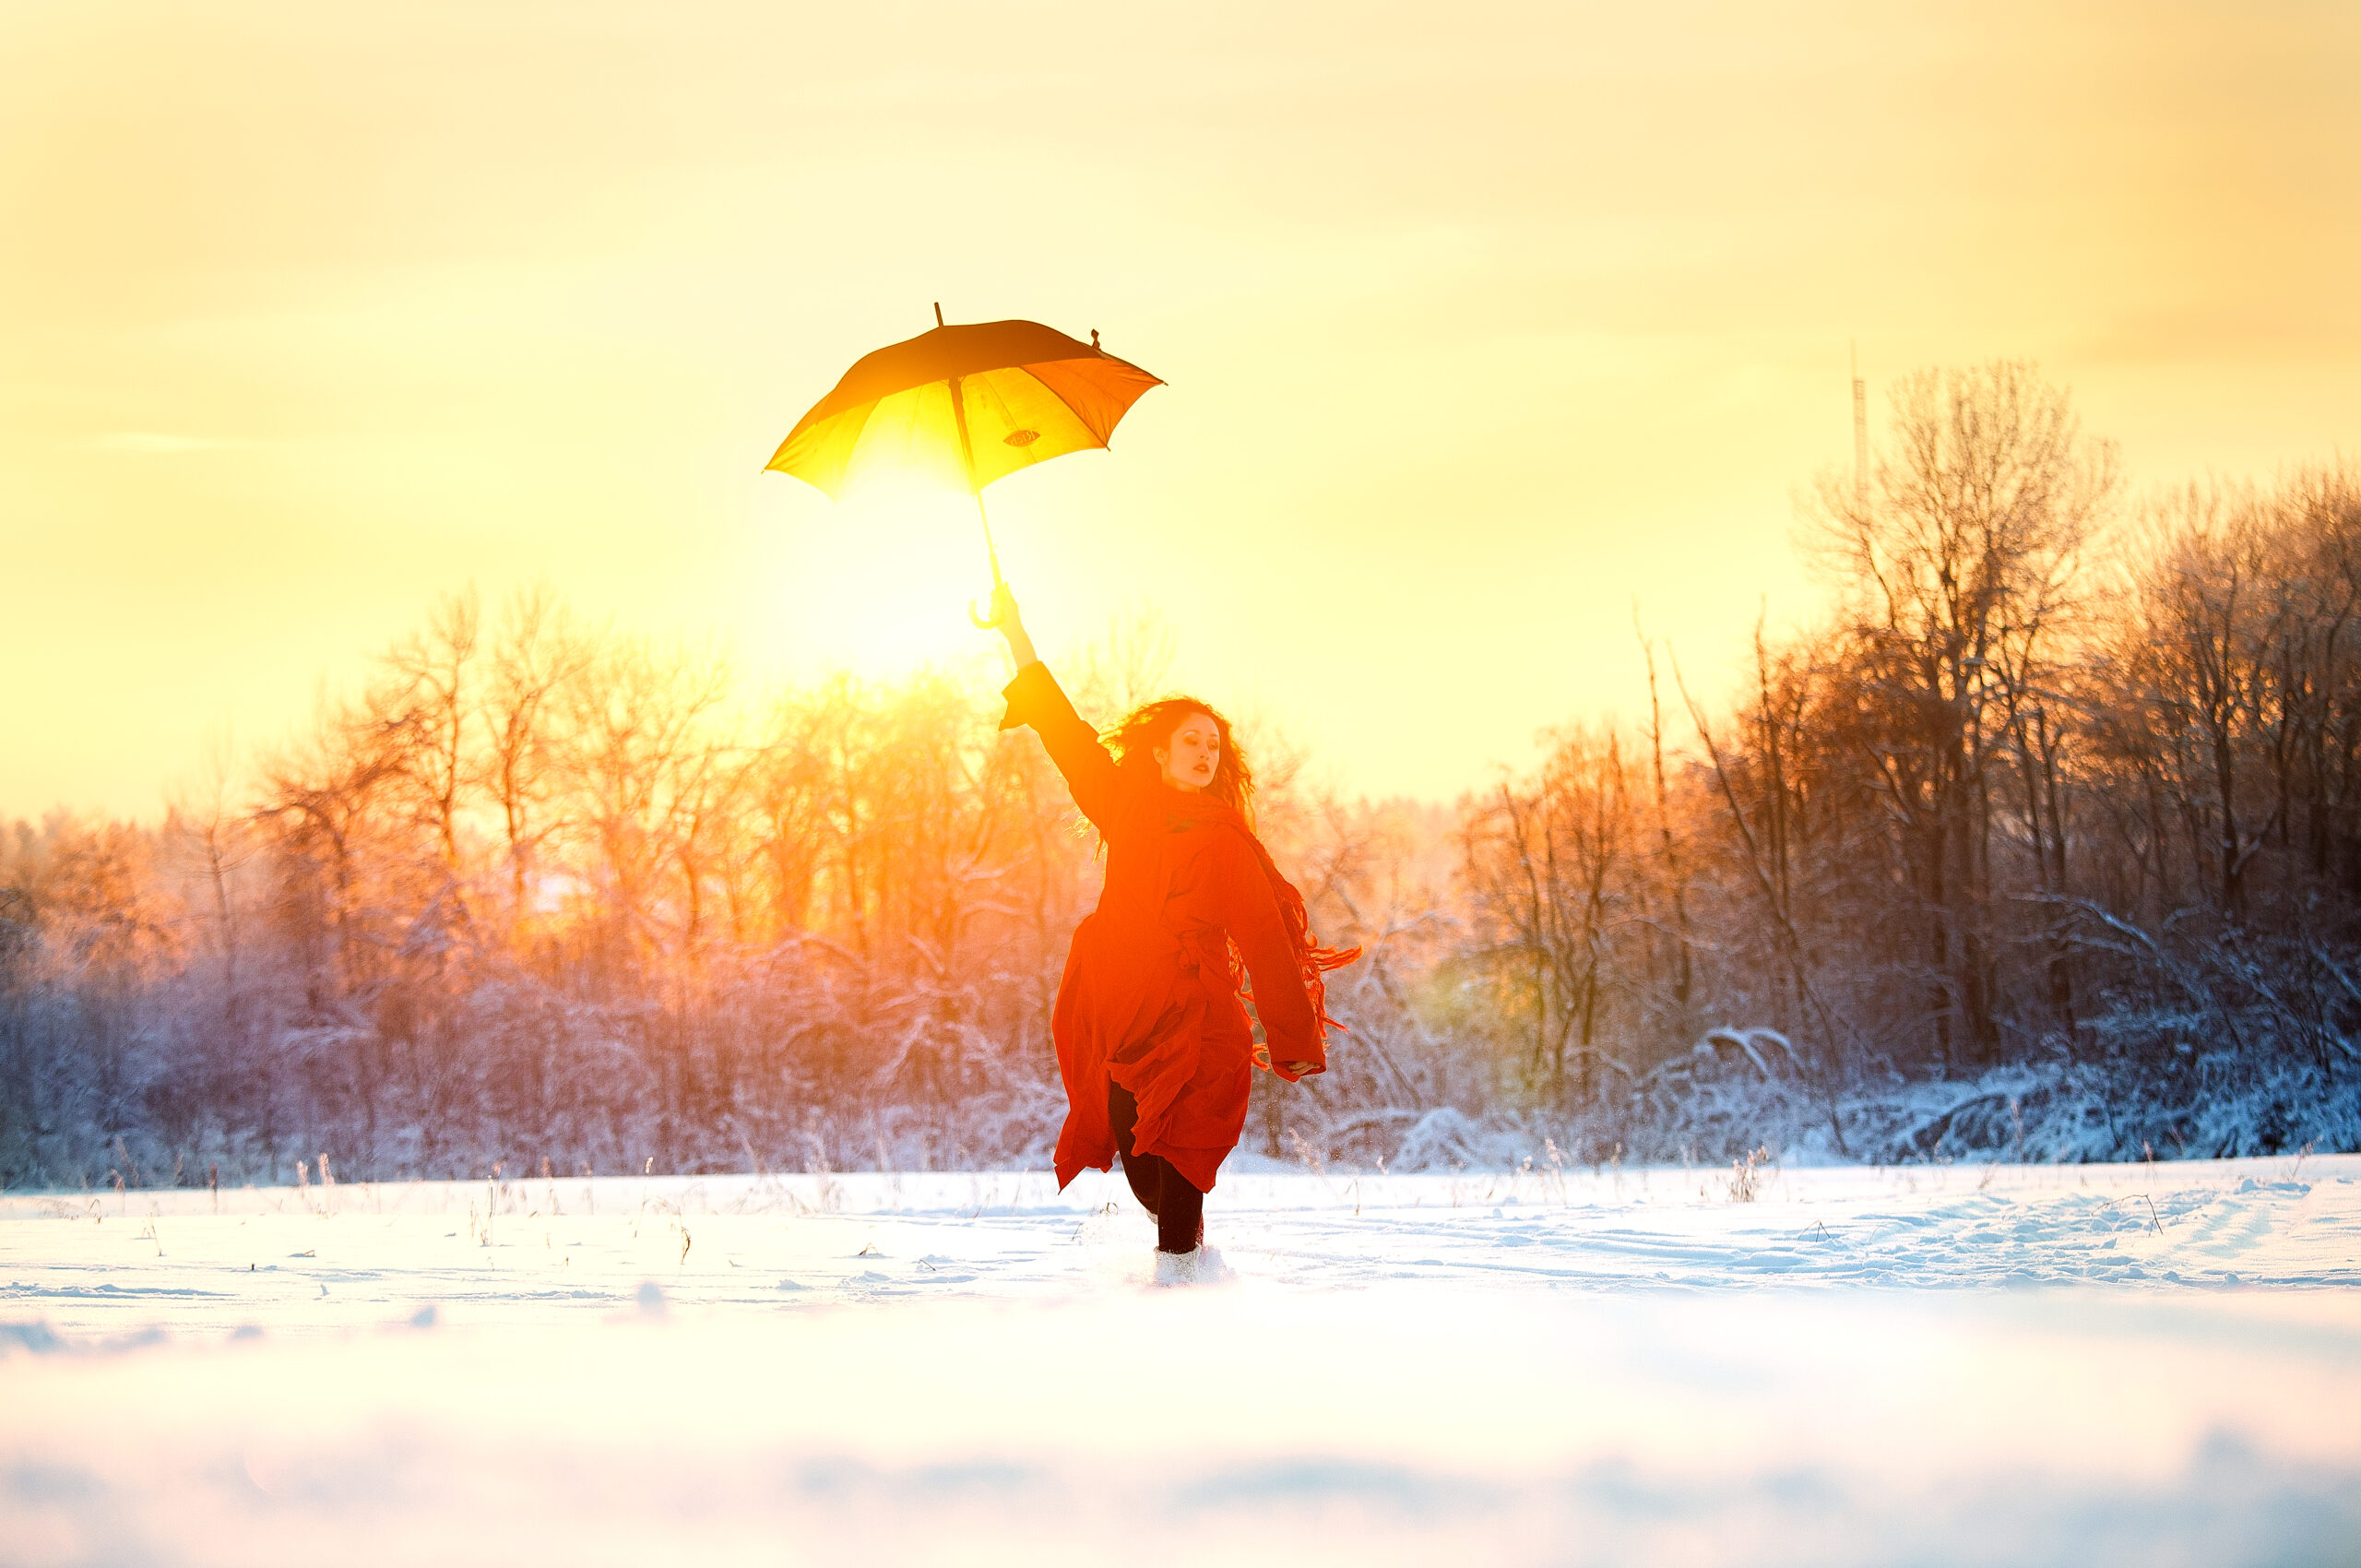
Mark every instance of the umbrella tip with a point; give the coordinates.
(938, 313)
(1094, 337)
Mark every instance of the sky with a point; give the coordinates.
(1482, 325)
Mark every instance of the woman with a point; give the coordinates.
(1153, 1042)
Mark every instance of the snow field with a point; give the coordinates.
(1533, 1366)
(343, 1257)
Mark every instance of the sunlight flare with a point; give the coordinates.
(901, 563)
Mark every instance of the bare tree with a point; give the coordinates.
(1953, 567)
(538, 653)
(1546, 865)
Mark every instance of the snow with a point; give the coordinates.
(1937, 1364)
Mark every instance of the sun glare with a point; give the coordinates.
(902, 561)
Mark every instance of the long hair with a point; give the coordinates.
(1133, 742)
(1135, 738)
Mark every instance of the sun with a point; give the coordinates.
(881, 581)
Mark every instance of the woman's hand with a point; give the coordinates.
(1011, 626)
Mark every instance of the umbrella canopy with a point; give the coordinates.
(971, 402)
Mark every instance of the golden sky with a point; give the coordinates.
(1480, 322)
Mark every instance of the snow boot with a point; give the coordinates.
(1202, 1265)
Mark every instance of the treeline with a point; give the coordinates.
(539, 894)
(2063, 778)
(2043, 838)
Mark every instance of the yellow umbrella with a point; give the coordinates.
(973, 402)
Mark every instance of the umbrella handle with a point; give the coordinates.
(990, 621)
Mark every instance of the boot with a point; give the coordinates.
(1200, 1265)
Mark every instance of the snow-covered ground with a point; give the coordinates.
(2156, 1363)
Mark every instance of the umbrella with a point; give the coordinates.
(975, 402)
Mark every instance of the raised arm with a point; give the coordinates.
(1011, 626)
(1035, 698)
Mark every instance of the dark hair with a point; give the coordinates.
(1150, 725)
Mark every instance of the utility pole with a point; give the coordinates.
(1860, 428)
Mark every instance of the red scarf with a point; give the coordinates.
(1315, 960)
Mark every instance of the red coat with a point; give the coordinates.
(1150, 999)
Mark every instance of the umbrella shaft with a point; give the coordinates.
(968, 461)
(989, 549)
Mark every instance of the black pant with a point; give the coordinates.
(1178, 1209)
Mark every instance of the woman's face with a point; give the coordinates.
(1188, 758)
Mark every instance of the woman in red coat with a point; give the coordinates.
(1153, 1042)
